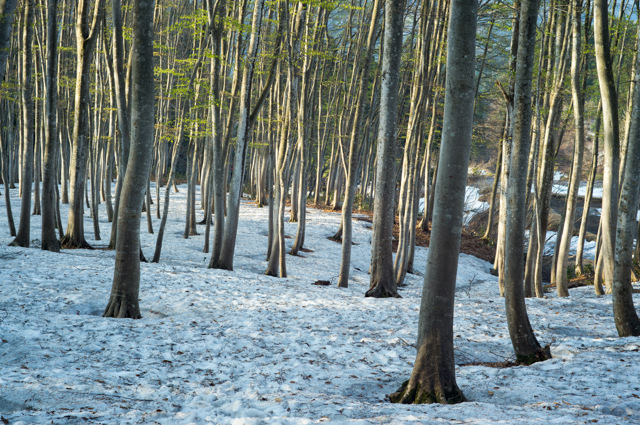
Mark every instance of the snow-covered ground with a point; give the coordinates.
(243, 348)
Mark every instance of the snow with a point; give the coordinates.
(589, 250)
(238, 347)
(563, 188)
(472, 205)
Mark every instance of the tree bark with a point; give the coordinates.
(433, 377)
(354, 143)
(23, 237)
(611, 135)
(578, 152)
(49, 239)
(383, 282)
(624, 312)
(85, 42)
(525, 344)
(123, 302)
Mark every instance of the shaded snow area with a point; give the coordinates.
(243, 348)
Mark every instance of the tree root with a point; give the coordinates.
(52, 245)
(416, 394)
(381, 291)
(71, 243)
(539, 356)
(120, 308)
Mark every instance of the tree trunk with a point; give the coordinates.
(611, 136)
(24, 228)
(123, 112)
(588, 196)
(624, 312)
(49, 239)
(494, 187)
(123, 302)
(576, 169)
(354, 143)
(85, 40)
(225, 259)
(525, 344)
(433, 377)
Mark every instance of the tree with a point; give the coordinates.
(123, 302)
(525, 344)
(28, 129)
(433, 378)
(624, 312)
(354, 143)
(6, 25)
(383, 281)
(611, 135)
(225, 261)
(86, 35)
(49, 240)
(119, 77)
(576, 168)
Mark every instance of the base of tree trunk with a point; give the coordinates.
(51, 245)
(71, 243)
(419, 394)
(381, 291)
(20, 243)
(539, 356)
(120, 307)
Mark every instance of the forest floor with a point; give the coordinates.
(239, 347)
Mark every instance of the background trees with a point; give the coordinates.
(291, 100)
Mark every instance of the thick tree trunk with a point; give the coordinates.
(624, 312)
(383, 283)
(123, 302)
(433, 377)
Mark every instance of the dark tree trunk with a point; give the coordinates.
(49, 239)
(28, 131)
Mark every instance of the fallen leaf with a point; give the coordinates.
(278, 399)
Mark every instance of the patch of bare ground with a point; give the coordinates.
(471, 243)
